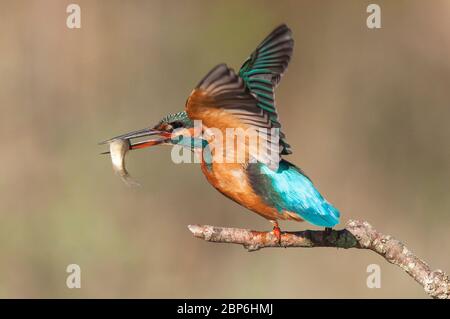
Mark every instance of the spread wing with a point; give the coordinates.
(263, 70)
(222, 100)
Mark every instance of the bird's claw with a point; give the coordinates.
(277, 232)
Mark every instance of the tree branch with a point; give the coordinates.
(356, 234)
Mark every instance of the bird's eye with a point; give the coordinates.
(176, 124)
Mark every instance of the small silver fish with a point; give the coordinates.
(118, 148)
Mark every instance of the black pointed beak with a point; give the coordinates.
(147, 132)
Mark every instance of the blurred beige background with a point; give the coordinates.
(366, 112)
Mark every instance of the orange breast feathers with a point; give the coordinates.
(231, 180)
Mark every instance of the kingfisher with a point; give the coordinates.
(245, 100)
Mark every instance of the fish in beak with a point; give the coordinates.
(120, 145)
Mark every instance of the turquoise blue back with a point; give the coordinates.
(289, 189)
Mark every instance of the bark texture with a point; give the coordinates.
(356, 234)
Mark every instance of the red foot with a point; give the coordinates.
(277, 232)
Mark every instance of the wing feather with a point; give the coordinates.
(263, 70)
(222, 100)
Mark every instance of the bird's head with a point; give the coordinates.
(173, 129)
